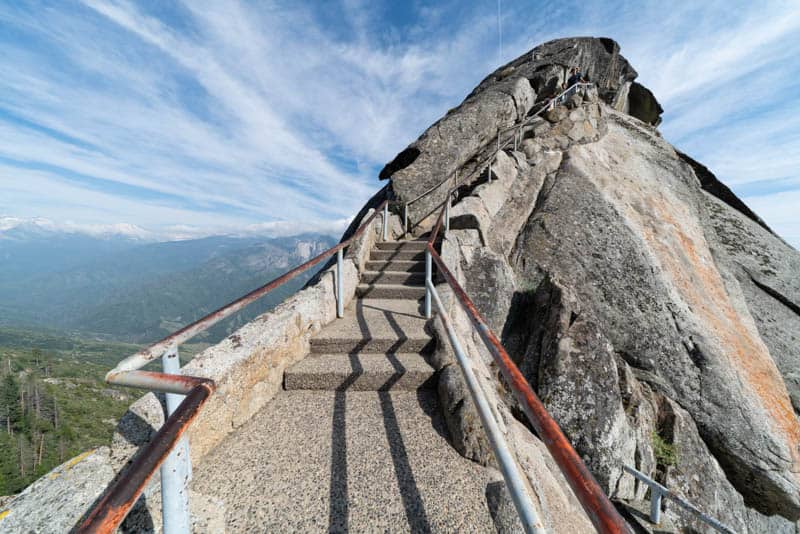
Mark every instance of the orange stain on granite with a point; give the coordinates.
(689, 262)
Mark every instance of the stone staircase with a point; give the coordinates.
(395, 270)
(356, 442)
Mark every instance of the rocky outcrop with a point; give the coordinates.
(453, 141)
(652, 311)
(504, 98)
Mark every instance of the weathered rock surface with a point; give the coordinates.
(504, 98)
(768, 271)
(55, 502)
(655, 314)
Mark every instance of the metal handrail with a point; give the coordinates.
(511, 473)
(122, 493)
(657, 491)
(479, 168)
(595, 502)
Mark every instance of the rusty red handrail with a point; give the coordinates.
(122, 494)
(595, 502)
(118, 498)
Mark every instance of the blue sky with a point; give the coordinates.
(208, 116)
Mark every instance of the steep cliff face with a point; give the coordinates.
(656, 316)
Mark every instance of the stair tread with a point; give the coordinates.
(375, 273)
(391, 291)
(395, 245)
(319, 461)
(397, 254)
(395, 265)
(360, 372)
(377, 319)
(381, 284)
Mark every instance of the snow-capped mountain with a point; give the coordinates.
(18, 227)
(36, 227)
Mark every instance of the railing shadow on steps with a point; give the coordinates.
(186, 396)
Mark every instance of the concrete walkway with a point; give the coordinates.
(356, 442)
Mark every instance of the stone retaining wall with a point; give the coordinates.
(247, 368)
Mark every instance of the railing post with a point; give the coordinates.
(428, 282)
(655, 505)
(176, 469)
(385, 221)
(405, 218)
(447, 212)
(339, 296)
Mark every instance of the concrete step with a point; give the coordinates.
(395, 265)
(402, 245)
(345, 461)
(376, 325)
(360, 372)
(390, 291)
(399, 254)
(392, 277)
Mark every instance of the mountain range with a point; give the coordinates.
(117, 282)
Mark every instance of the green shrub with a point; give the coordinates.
(666, 453)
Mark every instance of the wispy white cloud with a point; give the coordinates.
(231, 113)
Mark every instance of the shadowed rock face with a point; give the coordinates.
(649, 307)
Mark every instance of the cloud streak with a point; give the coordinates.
(234, 114)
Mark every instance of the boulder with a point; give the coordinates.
(531, 148)
(656, 315)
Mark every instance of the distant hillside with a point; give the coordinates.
(133, 291)
(72, 305)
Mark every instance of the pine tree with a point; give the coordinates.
(9, 403)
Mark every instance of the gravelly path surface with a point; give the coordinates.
(319, 461)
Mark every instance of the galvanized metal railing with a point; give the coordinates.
(501, 145)
(598, 507)
(186, 395)
(657, 491)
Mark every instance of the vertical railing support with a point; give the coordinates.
(428, 282)
(447, 212)
(655, 505)
(176, 469)
(339, 295)
(386, 221)
(405, 218)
